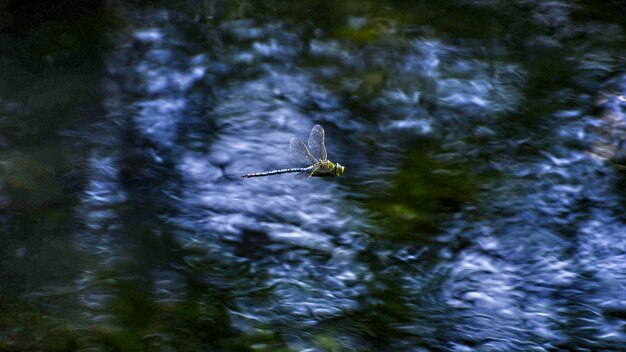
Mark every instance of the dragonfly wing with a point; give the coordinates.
(300, 154)
(302, 176)
(305, 175)
(316, 143)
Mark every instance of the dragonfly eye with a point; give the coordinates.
(340, 170)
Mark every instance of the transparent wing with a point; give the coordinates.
(300, 154)
(316, 143)
(305, 175)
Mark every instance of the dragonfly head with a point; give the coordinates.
(339, 169)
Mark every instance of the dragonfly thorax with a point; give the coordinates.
(335, 168)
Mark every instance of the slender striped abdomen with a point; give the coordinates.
(276, 172)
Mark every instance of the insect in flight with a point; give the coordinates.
(312, 161)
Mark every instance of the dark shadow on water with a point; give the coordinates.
(49, 85)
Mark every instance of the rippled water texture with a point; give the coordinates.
(482, 207)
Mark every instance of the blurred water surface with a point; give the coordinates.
(481, 209)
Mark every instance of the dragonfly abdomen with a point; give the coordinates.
(277, 172)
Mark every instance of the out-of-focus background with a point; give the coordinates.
(482, 209)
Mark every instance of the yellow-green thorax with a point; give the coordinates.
(328, 168)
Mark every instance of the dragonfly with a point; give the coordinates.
(311, 161)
